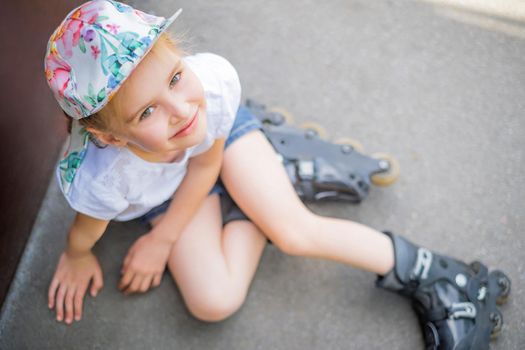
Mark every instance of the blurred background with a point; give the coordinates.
(437, 84)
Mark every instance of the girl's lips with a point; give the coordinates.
(188, 128)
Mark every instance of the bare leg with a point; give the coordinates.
(260, 186)
(212, 266)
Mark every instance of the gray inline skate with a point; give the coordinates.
(322, 170)
(318, 169)
(455, 302)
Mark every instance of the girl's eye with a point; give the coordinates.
(147, 112)
(175, 79)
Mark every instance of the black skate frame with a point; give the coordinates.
(319, 170)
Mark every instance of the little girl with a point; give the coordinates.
(153, 129)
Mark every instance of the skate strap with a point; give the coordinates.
(455, 311)
(462, 310)
(430, 268)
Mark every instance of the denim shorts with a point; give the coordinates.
(244, 123)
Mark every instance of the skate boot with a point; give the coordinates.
(455, 302)
(321, 169)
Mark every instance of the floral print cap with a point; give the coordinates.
(94, 50)
(88, 57)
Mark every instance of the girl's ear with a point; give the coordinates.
(107, 137)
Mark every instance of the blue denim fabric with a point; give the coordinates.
(244, 123)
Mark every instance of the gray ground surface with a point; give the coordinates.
(446, 98)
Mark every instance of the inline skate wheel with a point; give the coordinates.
(391, 173)
(356, 145)
(504, 286)
(496, 318)
(313, 129)
(288, 117)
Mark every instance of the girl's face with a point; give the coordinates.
(163, 108)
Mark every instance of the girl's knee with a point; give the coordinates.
(295, 236)
(216, 305)
(290, 243)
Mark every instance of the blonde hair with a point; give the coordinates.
(106, 119)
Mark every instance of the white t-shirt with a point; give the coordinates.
(115, 184)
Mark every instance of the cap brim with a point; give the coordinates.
(170, 20)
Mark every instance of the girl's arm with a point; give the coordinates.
(77, 266)
(202, 174)
(146, 259)
(84, 233)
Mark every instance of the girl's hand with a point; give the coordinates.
(144, 264)
(70, 283)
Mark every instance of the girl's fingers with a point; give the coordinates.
(78, 301)
(51, 293)
(134, 285)
(97, 283)
(146, 283)
(69, 304)
(62, 289)
(126, 280)
(157, 279)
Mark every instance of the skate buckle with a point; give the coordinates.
(423, 262)
(462, 310)
(306, 169)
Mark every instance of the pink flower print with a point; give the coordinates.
(68, 36)
(95, 51)
(89, 13)
(113, 28)
(76, 27)
(57, 73)
(149, 19)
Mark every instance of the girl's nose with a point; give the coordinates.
(178, 109)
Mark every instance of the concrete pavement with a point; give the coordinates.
(444, 95)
